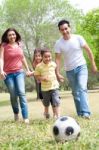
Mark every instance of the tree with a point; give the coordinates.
(36, 20)
(90, 28)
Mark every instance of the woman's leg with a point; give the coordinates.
(20, 86)
(10, 83)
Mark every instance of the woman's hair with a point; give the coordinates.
(4, 38)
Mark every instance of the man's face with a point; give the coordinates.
(65, 30)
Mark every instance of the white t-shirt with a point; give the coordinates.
(72, 51)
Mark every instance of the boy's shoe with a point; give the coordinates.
(55, 117)
(26, 121)
(47, 116)
(16, 117)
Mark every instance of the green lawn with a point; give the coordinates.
(38, 134)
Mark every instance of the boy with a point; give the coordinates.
(46, 73)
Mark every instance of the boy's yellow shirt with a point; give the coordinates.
(48, 70)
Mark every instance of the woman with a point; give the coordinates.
(11, 62)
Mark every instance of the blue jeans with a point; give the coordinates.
(78, 78)
(16, 87)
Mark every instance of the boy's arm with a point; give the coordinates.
(41, 78)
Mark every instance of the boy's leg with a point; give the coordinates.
(55, 101)
(46, 103)
(56, 111)
(46, 112)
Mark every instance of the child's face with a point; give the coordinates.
(47, 57)
(38, 57)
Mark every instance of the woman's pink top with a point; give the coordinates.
(13, 57)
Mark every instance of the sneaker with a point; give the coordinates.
(86, 117)
(16, 117)
(47, 116)
(26, 121)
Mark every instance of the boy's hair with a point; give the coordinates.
(63, 22)
(44, 50)
(37, 50)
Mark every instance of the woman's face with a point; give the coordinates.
(11, 36)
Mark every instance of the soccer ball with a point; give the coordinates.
(66, 128)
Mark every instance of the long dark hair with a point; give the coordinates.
(4, 38)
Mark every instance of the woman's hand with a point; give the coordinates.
(29, 73)
(3, 75)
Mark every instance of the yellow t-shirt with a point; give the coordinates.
(48, 70)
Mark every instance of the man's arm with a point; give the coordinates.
(58, 63)
(91, 57)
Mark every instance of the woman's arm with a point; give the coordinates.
(28, 72)
(2, 73)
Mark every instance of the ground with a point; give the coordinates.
(36, 108)
(38, 134)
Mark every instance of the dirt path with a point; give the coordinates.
(67, 107)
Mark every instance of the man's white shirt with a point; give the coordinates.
(72, 51)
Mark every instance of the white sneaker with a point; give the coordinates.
(26, 121)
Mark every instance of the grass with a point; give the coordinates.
(38, 134)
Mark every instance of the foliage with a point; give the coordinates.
(90, 28)
(37, 20)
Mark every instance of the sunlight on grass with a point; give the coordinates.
(38, 134)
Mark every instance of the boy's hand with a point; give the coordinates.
(45, 78)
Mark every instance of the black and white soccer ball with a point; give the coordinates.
(66, 128)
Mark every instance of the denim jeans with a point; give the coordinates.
(16, 87)
(78, 78)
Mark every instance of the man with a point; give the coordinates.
(70, 45)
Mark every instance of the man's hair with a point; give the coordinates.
(63, 22)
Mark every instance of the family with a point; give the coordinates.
(46, 72)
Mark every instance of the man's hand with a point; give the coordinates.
(60, 78)
(94, 69)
